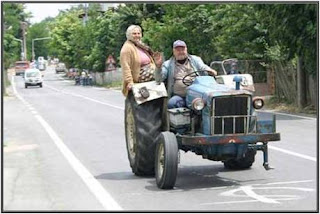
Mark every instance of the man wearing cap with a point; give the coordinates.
(174, 69)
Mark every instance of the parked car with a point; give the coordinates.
(55, 61)
(32, 77)
(61, 67)
(21, 66)
(72, 73)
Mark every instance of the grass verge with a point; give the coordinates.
(281, 105)
(113, 85)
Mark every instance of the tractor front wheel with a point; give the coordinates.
(166, 165)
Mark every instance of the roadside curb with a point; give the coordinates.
(305, 116)
(268, 97)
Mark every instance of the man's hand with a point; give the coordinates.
(157, 56)
(212, 72)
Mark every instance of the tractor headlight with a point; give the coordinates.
(198, 104)
(258, 103)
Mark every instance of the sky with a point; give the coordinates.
(42, 10)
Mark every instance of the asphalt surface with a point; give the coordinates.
(42, 126)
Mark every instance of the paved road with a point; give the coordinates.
(65, 150)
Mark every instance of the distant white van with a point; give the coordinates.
(32, 77)
(40, 59)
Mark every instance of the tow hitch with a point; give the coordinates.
(264, 148)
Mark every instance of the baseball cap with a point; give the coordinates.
(179, 43)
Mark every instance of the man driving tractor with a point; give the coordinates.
(177, 67)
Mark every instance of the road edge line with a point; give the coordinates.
(84, 97)
(286, 114)
(293, 153)
(94, 186)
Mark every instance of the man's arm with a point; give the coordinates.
(161, 74)
(203, 66)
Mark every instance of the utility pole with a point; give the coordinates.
(85, 13)
(301, 84)
(21, 43)
(23, 27)
(36, 39)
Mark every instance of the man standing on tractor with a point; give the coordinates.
(175, 69)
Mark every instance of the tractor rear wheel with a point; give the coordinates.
(142, 128)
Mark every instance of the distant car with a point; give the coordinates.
(41, 66)
(61, 67)
(72, 73)
(55, 61)
(40, 59)
(21, 66)
(33, 77)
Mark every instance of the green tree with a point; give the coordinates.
(13, 15)
(238, 32)
(292, 31)
(294, 28)
(39, 30)
(64, 30)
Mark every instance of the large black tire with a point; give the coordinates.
(242, 163)
(26, 85)
(166, 165)
(142, 128)
(40, 85)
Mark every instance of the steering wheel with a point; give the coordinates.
(189, 78)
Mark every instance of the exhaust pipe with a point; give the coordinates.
(238, 80)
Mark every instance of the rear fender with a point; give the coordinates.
(154, 91)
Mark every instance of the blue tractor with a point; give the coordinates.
(219, 123)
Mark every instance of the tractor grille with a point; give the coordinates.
(230, 114)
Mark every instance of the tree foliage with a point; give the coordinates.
(275, 33)
(292, 28)
(13, 14)
(39, 30)
(64, 31)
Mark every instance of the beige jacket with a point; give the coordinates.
(130, 65)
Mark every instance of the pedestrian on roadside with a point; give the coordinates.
(77, 78)
(83, 77)
(89, 77)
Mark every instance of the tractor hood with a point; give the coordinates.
(206, 87)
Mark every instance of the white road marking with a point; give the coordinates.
(249, 192)
(286, 182)
(294, 188)
(245, 201)
(84, 97)
(95, 187)
(20, 148)
(290, 115)
(293, 153)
